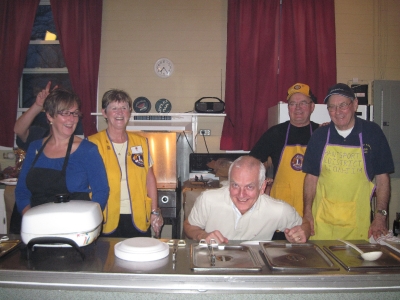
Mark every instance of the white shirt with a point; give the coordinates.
(213, 211)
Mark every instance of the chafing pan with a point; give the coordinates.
(296, 257)
(223, 258)
(351, 260)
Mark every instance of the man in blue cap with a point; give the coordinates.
(341, 161)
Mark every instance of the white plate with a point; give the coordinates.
(9, 181)
(141, 249)
(140, 266)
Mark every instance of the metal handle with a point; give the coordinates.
(352, 246)
(211, 250)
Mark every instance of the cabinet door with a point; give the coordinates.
(386, 115)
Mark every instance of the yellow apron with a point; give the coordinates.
(341, 207)
(289, 178)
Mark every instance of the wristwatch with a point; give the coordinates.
(382, 212)
(156, 212)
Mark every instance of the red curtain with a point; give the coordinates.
(251, 67)
(308, 46)
(16, 22)
(78, 24)
(269, 48)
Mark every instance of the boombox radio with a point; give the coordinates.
(212, 107)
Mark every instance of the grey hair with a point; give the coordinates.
(250, 162)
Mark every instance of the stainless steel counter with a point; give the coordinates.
(63, 269)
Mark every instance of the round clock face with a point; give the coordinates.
(164, 67)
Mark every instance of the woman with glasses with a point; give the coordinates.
(28, 129)
(61, 163)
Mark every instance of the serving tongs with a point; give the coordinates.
(175, 245)
(213, 243)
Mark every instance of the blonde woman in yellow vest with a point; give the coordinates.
(341, 161)
(132, 205)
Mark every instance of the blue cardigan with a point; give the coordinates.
(85, 173)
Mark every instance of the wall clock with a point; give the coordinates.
(164, 67)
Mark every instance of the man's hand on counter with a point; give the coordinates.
(197, 233)
(310, 220)
(378, 227)
(296, 235)
(215, 235)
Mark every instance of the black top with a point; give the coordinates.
(35, 133)
(272, 141)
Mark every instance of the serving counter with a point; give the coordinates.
(62, 274)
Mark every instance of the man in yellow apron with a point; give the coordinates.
(286, 144)
(341, 161)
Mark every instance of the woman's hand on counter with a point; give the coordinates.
(157, 222)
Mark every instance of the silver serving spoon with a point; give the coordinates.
(369, 256)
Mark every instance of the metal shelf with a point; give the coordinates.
(179, 122)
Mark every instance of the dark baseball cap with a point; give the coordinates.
(340, 89)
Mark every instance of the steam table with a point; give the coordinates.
(61, 274)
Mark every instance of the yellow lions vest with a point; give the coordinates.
(341, 207)
(289, 178)
(137, 158)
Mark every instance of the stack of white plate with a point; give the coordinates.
(141, 249)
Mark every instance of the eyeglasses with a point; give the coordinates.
(67, 113)
(342, 106)
(301, 104)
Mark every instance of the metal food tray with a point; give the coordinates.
(227, 258)
(351, 260)
(8, 246)
(296, 257)
(394, 245)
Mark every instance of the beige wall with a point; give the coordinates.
(192, 34)
(367, 40)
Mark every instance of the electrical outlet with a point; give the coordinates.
(205, 132)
